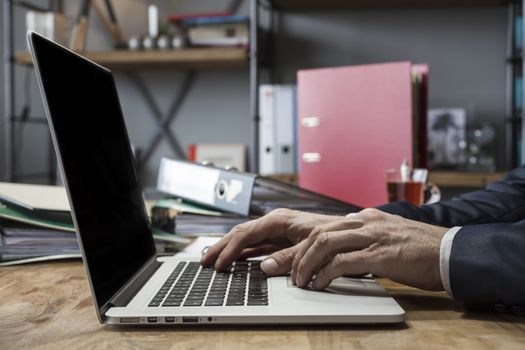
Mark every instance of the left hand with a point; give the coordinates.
(385, 245)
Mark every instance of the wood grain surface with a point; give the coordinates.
(49, 306)
(202, 58)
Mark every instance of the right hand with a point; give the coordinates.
(280, 232)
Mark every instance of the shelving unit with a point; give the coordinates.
(130, 62)
(515, 93)
(301, 5)
(515, 62)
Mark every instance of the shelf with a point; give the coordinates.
(202, 58)
(439, 178)
(298, 5)
(463, 179)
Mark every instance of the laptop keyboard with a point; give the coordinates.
(190, 284)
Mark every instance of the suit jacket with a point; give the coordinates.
(487, 261)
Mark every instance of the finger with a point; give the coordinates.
(324, 248)
(280, 262)
(213, 252)
(261, 250)
(339, 225)
(247, 234)
(259, 227)
(354, 263)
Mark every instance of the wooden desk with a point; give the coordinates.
(49, 306)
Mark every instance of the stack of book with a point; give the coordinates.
(214, 29)
(36, 225)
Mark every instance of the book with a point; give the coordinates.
(187, 16)
(215, 20)
(223, 34)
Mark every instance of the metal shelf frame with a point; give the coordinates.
(163, 121)
(10, 117)
(512, 122)
(515, 67)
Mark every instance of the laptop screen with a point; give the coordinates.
(98, 166)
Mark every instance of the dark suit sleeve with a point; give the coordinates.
(487, 266)
(487, 261)
(501, 201)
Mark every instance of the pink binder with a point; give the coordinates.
(354, 122)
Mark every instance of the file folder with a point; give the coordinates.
(354, 123)
(277, 146)
(240, 193)
(211, 187)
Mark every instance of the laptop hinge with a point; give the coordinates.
(132, 287)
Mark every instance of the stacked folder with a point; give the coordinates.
(36, 225)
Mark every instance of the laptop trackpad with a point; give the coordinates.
(342, 286)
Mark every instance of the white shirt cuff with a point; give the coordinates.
(444, 257)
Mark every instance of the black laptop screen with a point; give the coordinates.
(98, 166)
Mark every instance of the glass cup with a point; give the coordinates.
(415, 189)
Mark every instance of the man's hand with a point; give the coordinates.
(320, 248)
(385, 245)
(279, 232)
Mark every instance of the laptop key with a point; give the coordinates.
(171, 304)
(193, 303)
(214, 302)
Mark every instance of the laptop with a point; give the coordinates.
(129, 283)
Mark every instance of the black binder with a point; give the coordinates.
(240, 192)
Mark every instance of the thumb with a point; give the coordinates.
(279, 262)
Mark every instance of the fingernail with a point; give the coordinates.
(269, 266)
(299, 281)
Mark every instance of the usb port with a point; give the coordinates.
(152, 319)
(129, 320)
(191, 319)
(169, 319)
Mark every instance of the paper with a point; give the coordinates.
(35, 197)
(15, 215)
(181, 207)
(40, 259)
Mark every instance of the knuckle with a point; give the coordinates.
(285, 254)
(339, 260)
(280, 212)
(281, 216)
(323, 240)
(371, 212)
(316, 231)
(239, 228)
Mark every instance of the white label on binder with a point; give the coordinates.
(310, 122)
(311, 157)
(188, 181)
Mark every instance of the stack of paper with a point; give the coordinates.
(36, 225)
